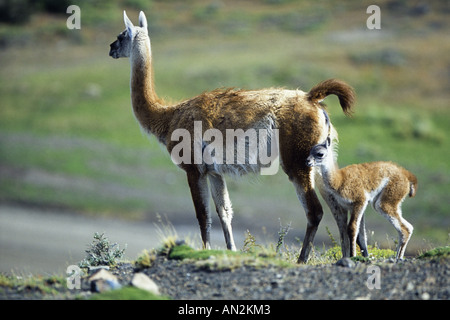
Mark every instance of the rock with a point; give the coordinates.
(103, 280)
(142, 281)
(425, 296)
(102, 274)
(345, 262)
(410, 286)
(93, 270)
(180, 242)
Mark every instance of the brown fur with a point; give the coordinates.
(345, 94)
(368, 177)
(296, 114)
(383, 184)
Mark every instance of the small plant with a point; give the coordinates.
(334, 253)
(332, 239)
(250, 243)
(282, 233)
(101, 252)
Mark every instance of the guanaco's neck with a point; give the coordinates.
(331, 174)
(148, 108)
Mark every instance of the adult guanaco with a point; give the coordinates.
(295, 117)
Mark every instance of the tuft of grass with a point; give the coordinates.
(128, 293)
(378, 253)
(226, 259)
(184, 251)
(146, 259)
(439, 252)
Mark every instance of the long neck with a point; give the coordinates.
(332, 176)
(147, 107)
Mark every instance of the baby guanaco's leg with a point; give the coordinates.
(356, 214)
(362, 237)
(392, 212)
(389, 206)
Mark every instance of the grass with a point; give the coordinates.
(128, 293)
(47, 285)
(219, 260)
(252, 253)
(68, 137)
(439, 252)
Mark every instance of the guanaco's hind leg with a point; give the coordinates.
(394, 215)
(404, 232)
(389, 206)
(223, 207)
(198, 185)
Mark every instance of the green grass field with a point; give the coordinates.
(68, 138)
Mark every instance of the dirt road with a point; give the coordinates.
(46, 242)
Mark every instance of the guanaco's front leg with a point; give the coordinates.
(356, 214)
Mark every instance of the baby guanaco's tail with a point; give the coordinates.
(412, 184)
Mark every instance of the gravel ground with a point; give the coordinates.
(406, 280)
(411, 279)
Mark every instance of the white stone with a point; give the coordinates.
(142, 281)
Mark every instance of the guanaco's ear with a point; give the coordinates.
(128, 24)
(142, 20)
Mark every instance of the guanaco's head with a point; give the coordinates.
(318, 154)
(121, 48)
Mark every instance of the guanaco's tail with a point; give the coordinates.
(343, 91)
(412, 184)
